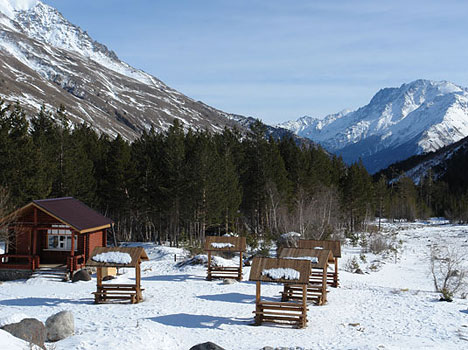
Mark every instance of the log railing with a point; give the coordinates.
(10, 261)
(75, 262)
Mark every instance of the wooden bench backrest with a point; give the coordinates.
(323, 255)
(261, 264)
(239, 244)
(334, 246)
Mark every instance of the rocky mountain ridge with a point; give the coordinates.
(46, 60)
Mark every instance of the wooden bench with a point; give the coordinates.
(335, 247)
(290, 312)
(224, 272)
(107, 292)
(281, 312)
(116, 291)
(317, 285)
(214, 244)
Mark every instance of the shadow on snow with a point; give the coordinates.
(43, 301)
(172, 278)
(198, 321)
(237, 298)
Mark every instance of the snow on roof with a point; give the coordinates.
(312, 259)
(282, 273)
(113, 258)
(291, 234)
(222, 245)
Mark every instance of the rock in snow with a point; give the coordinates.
(229, 281)
(81, 275)
(28, 329)
(289, 239)
(206, 346)
(60, 326)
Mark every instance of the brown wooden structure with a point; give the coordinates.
(113, 291)
(294, 312)
(61, 231)
(216, 244)
(317, 287)
(335, 247)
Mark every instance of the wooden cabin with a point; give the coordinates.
(60, 231)
(281, 271)
(335, 247)
(103, 258)
(217, 244)
(317, 287)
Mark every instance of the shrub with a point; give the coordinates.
(378, 244)
(448, 271)
(351, 265)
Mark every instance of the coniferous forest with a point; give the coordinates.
(179, 185)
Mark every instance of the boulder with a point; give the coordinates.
(206, 346)
(229, 281)
(81, 275)
(29, 329)
(289, 240)
(60, 326)
(108, 278)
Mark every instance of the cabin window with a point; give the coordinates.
(59, 238)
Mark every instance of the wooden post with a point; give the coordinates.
(99, 277)
(209, 266)
(240, 267)
(335, 274)
(86, 246)
(104, 238)
(72, 254)
(137, 281)
(98, 296)
(304, 306)
(324, 284)
(258, 307)
(284, 296)
(34, 241)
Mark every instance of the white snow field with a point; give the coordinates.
(392, 308)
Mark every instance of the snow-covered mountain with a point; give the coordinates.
(415, 118)
(45, 59)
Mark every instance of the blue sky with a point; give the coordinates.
(279, 60)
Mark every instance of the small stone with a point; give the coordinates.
(268, 348)
(206, 346)
(229, 281)
(108, 278)
(81, 275)
(359, 272)
(66, 278)
(29, 329)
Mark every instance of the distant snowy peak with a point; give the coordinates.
(10, 7)
(417, 117)
(45, 24)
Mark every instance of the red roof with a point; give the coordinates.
(74, 213)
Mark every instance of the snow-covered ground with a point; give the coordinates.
(392, 308)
